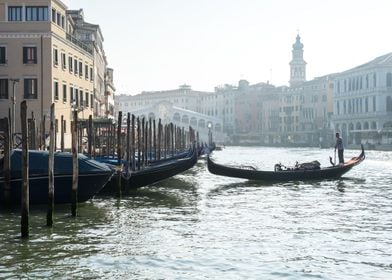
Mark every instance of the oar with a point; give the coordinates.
(334, 158)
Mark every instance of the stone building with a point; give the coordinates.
(183, 106)
(43, 63)
(363, 103)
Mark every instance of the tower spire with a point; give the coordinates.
(297, 64)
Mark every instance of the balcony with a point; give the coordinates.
(79, 43)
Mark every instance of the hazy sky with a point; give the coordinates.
(161, 44)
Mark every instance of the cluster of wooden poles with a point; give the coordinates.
(140, 142)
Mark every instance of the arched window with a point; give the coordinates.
(389, 79)
(176, 117)
(185, 119)
(366, 126)
(193, 122)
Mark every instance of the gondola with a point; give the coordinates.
(150, 174)
(250, 173)
(92, 178)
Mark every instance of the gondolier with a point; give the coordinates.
(339, 146)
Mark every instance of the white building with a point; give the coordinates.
(363, 103)
(183, 106)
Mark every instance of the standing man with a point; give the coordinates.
(339, 146)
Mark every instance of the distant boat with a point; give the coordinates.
(151, 173)
(92, 177)
(282, 175)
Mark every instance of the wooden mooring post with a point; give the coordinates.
(75, 165)
(119, 156)
(128, 145)
(90, 136)
(62, 134)
(25, 172)
(32, 129)
(49, 215)
(7, 162)
(133, 144)
(159, 138)
(138, 143)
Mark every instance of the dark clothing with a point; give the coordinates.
(339, 146)
(340, 154)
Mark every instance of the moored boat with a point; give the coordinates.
(151, 174)
(251, 173)
(92, 177)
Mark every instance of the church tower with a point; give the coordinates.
(297, 64)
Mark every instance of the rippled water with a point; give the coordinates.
(198, 225)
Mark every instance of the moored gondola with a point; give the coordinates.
(151, 174)
(250, 173)
(92, 177)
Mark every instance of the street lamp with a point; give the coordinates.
(13, 100)
(209, 125)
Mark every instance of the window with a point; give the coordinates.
(76, 99)
(36, 13)
(81, 98)
(30, 88)
(62, 21)
(58, 18)
(91, 73)
(374, 80)
(3, 59)
(389, 104)
(3, 88)
(366, 104)
(374, 104)
(56, 90)
(70, 64)
(80, 69)
(63, 61)
(389, 80)
(15, 13)
(54, 15)
(56, 125)
(86, 71)
(65, 126)
(55, 57)
(91, 100)
(64, 93)
(71, 94)
(30, 55)
(86, 99)
(75, 66)
(367, 81)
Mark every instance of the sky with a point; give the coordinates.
(161, 44)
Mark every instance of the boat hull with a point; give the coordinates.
(331, 172)
(91, 179)
(150, 174)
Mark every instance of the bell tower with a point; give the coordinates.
(297, 64)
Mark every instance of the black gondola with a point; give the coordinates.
(92, 177)
(251, 173)
(151, 174)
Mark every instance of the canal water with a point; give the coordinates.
(201, 226)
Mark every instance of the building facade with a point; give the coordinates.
(363, 103)
(43, 62)
(183, 106)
